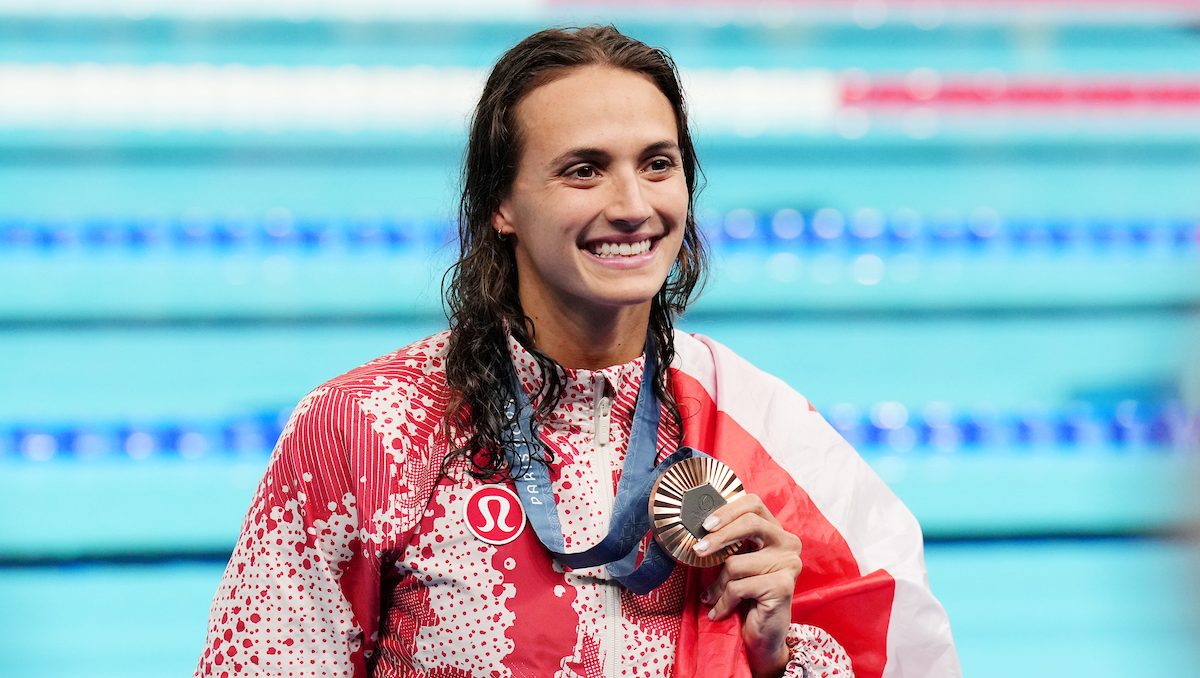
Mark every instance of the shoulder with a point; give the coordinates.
(394, 392)
(420, 364)
(374, 431)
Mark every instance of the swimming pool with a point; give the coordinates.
(972, 244)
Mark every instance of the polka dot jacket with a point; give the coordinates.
(359, 557)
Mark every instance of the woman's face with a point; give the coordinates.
(599, 203)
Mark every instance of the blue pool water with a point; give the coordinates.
(1000, 308)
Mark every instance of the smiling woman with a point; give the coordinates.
(389, 534)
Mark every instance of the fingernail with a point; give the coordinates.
(710, 523)
(700, 546)
(712, 614)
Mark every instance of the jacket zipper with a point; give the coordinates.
(611, 592)
(604, 421)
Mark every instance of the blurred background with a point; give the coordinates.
(967, 230)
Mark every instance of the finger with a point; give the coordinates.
(766, 589)
(747, 503)
(750, 527)
(740, 566)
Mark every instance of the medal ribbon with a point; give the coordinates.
(630, 521)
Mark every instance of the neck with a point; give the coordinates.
(585, 338)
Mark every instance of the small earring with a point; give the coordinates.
(501, 235)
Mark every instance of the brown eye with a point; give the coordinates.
(583, 172)
(660, 165)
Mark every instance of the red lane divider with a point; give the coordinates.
(1079, 5)
(924, 91)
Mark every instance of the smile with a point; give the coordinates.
(625, 249)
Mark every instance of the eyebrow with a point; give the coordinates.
(593, 154)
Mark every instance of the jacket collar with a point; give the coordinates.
(583, 388)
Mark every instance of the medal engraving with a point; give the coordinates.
(683, 496)
(696, 504)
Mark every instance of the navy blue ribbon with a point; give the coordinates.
(630, 521)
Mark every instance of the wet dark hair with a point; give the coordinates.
(481, 295)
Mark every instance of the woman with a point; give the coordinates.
(386, 538)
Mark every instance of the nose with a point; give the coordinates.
(627, 206)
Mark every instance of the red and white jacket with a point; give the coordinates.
(358, 557)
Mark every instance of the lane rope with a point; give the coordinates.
(787, 228)
(1166, 425)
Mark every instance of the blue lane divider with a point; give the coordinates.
(978, 229)
(941, 427)
(275, 229)
(819, 228)
(887, 426)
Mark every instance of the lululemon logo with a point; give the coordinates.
(494, 514)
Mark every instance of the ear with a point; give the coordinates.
(502, 221)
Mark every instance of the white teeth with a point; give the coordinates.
(625, 249)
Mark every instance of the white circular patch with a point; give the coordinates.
(494, 514)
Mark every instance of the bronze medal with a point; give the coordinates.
(682, 497)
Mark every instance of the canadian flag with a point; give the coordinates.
(864, 580)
